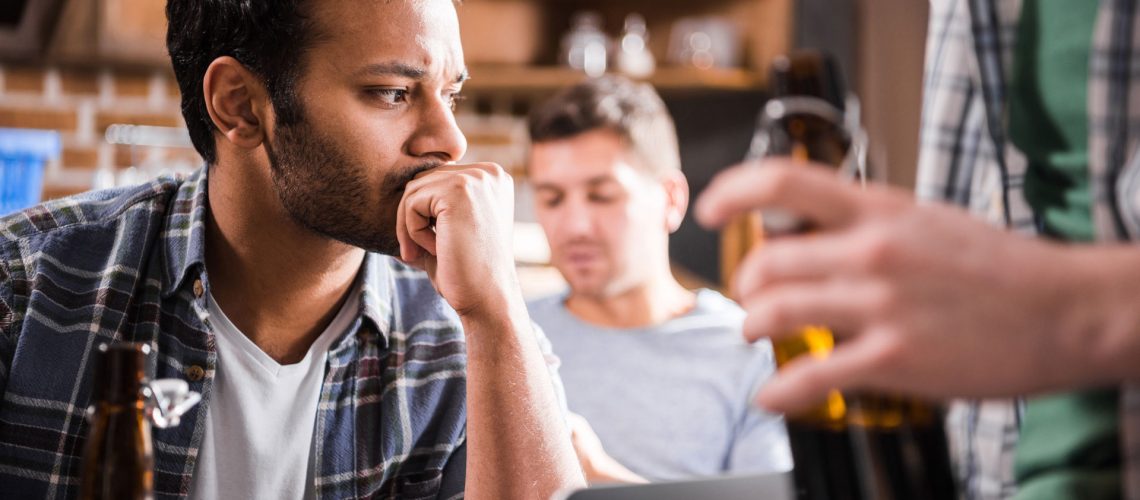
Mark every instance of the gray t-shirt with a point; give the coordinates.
(674, 400)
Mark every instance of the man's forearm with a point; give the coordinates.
(1106, 301)
(518, 444)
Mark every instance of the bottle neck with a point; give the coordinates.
(120, 374)
(104, 414)
(109, 407)
(122, 395)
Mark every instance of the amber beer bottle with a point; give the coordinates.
(852, 446)
(117, 460)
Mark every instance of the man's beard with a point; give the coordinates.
(322, 190)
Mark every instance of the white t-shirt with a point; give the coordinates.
(258, 441)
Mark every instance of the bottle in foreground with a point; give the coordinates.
(852, 446)
(117, 458)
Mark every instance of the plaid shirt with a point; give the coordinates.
(966, 159)
(128, 265)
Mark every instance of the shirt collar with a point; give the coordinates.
(376, 299)
(184, 237)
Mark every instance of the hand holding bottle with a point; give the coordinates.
(929, 300)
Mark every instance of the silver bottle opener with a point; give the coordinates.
(171, 399)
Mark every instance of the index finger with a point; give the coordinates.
(488, 167)
(814, 192)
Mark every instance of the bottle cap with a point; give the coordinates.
(809, 73)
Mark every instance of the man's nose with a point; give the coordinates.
(437, 134)
(575, 218)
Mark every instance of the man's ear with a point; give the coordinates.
(237, 101)
(676, 199)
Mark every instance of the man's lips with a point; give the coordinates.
(580, 257)
(400, 183)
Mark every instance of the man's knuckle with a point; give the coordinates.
(773, 182)
(884, 300)
(496, 169)
(890, 351)
(876, 253)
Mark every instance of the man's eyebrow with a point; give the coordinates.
(591, 182)
(404, 70)
(545, 186)
(393, 69)
(601, 179)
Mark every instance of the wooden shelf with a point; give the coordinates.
(494, 79)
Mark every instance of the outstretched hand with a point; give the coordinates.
(923, 299)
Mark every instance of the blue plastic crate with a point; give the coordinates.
(23, 154)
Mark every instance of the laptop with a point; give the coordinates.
(751, 487)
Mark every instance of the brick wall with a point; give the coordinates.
(80, 104)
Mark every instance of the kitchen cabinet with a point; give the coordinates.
(513, 46)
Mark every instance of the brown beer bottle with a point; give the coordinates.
(852, 446)
(117, 460)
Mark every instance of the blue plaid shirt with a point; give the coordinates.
(129, 265)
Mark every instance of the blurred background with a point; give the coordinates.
(87, 98)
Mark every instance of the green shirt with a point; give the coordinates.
(1069, 445)
(1048, 112)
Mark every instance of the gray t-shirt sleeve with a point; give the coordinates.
(761, 445)
(760, 441)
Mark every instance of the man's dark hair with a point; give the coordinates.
(269, 37)
(629, 109)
